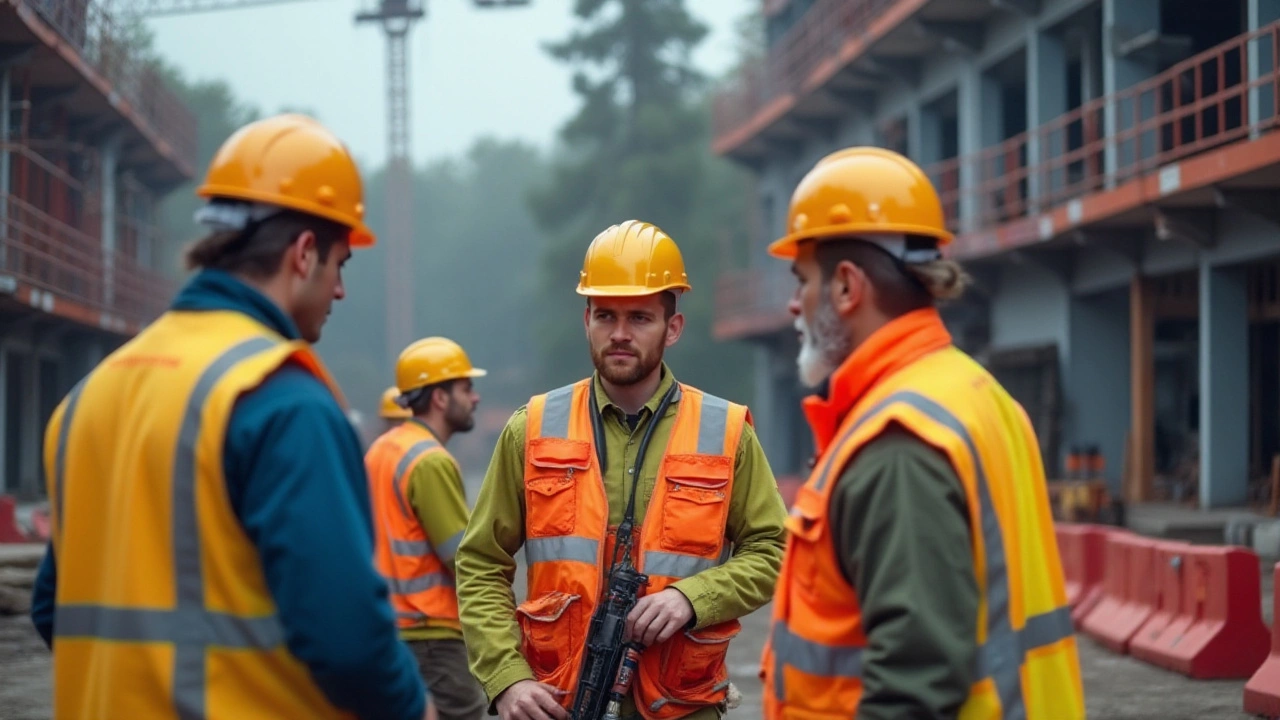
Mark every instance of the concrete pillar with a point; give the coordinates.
(1046, 100)
(1121, 20)
(5, 481)
(1142, 398)
(1261, 56)
(1224, 386)
(110, 164)
(766, 406)
(31, 432)
(1096, 382)
(980, 127)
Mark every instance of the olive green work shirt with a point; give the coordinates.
(486, 558)
(900, 524)
(439, 500)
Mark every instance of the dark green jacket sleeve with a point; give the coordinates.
(900, 524)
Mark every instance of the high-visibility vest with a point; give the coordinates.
(1027, 664)
(163, 609)
(568, 543)
(421, 586)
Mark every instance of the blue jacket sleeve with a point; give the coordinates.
(297, 481)
(44, 596)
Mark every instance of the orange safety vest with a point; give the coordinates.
(163, 609)
(1027, 666)
(421, 586)
(568, 543)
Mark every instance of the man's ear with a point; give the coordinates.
(849, 287)
(675, 327)
(303, 255)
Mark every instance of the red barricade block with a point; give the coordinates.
(1128, 592)
(1168, 561)
(1262, 692)
(1218, 633)
(9, 530)
(1082, 548)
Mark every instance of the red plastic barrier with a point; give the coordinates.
(1082, 548)
(1128, 593)
(9, 530)
(1262, 692)
(1168, 561)
(1218, 632)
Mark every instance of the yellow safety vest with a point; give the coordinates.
(163, 609)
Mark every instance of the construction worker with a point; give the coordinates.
(390, 411)
(211, 526)
(420, 511)
(921, 576)
(628, 449)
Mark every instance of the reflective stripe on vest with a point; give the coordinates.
(1002, 655)
(190, 626)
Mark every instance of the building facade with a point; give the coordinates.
(1111, 170)
(90, 140)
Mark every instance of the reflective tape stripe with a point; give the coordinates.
(64, 429)
(449, 548)
(712, 424)
(675, 564)
(566, 547)
(1001, 656)
(415, 615)
(555, 413)
(160, 626)
(189, 627)
(422, 583)
(410, 457)
(410, 548)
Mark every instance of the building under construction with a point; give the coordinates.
(1110, 168)
(90, 140)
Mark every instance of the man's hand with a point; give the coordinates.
(531, 700)
(655, 618)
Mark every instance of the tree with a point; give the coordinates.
(639, 148)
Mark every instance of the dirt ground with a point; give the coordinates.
(1116, 687)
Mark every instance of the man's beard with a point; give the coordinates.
(824, 347)
(645, 364)
(460, 419)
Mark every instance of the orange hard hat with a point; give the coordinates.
(632, 259)
(390, 409)
(861, 191)
(291, 161)
(433, 360)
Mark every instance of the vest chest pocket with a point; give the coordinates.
(551, 485)
(695, 504)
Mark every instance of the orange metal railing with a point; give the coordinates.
(817, 36)
(1195, 105)
(109, 44)
(51, 237)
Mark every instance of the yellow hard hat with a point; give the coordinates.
(291, 161)
(630, 260)
(862, 190)
(433, 360)
(390, 409)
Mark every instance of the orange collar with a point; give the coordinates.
(899, 343)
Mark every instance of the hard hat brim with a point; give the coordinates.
(361, 236)
(632, 290)
(788, 247)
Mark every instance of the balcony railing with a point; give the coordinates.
(817, 37)
(1200, 103)
(108, 43)
(51, 237)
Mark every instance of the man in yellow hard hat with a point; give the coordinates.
(211, 527)
(391, 412)
(420, 511)
(628, 459)
(921, 577)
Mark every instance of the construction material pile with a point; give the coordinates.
(18, 563)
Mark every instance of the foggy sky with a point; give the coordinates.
(473, 72)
